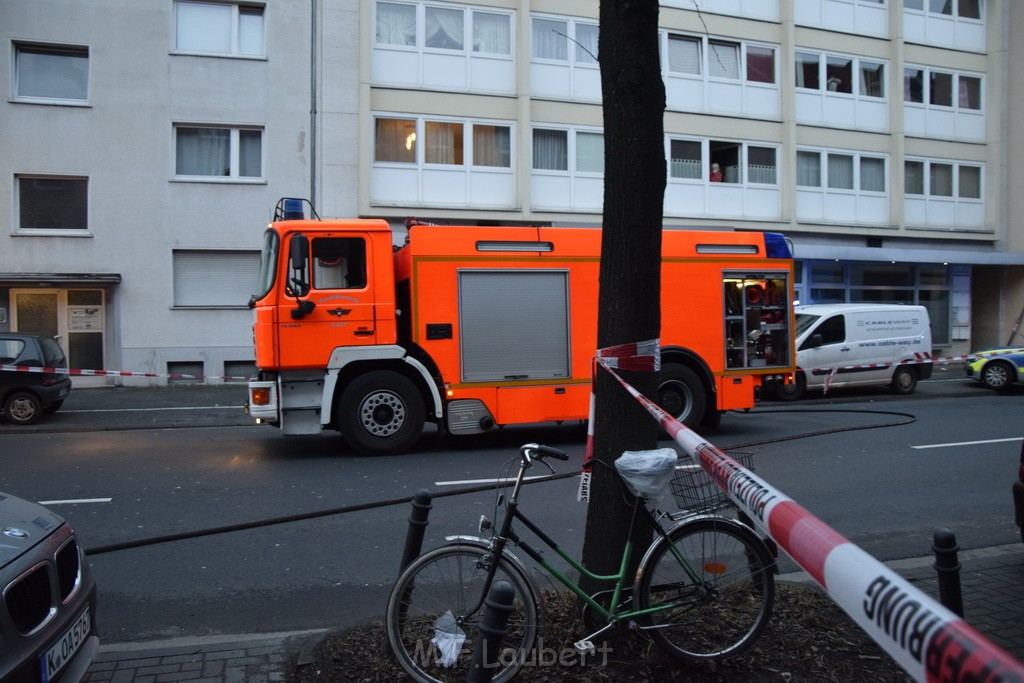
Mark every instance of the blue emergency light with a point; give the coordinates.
(293, 210)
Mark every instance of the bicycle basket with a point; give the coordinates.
(695, 491)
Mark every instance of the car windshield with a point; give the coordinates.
(268, 266)
(804, 321)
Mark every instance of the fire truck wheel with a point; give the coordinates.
(381, 413)
(681, 394)
(791, 392)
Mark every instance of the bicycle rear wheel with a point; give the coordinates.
(725, 610)
(426, 621)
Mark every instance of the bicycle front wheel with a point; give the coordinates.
(428, 625)
(713, 583)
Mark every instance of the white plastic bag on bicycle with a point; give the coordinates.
(448, 638)
(647, 473)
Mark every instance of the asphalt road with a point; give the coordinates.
(178, 461)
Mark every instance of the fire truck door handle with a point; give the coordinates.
(363, 333)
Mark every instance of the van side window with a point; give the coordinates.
(833, 330)
(339, 263)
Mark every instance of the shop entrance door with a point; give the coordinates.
(74, 316)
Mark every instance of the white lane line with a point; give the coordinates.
(75, 501)
(144, 410)
(467, 482)
(969, 443)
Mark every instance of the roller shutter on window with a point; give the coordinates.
(215, 278)
(514, 325)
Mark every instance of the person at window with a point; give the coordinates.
(716, 173)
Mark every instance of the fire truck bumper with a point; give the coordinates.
(262, 403)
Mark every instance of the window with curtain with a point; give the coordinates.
(723, 59)
(913, 4)
(590, 152)
(969, 92)
(549, 39)
(940, 89)
(394, 141)
(586, 43)
(492, 33)
(941, 179)
(872, 79)
(760, 64)
(685, 159)
(203, 151)
(550, 150)
(52, 72)
(913, 85)
(442, 143)
(941, 7)
(219, 28)
(807, 67)
(872, 174)
(913, 177)
(396, 24)
(761, 166)
(969, 9)
(839, 74)
(684, 55)
(808, 169)
(970, 182)
(840, 171)
(443, 29)
(52, 202)
(492, 146)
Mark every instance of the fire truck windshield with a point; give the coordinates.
(268, 266)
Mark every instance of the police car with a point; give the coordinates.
(997, 368)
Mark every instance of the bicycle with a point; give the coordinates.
(704, 589)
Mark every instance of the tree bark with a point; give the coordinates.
(630, 274)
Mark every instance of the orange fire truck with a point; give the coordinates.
(475, 327)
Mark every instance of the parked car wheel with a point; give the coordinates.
(22, 408)
(997, 375)
(904, 380)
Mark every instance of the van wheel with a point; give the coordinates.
(791, 392)
(681, 394)
(904, 380)
(23, 408)
(381, 413)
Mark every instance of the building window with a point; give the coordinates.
(724, 59)
(550, 150)
(760, 64)
(49, 72)
(943, 179)
(551, 38)
(52, 203)
(942, 89)
(219, 28)
(395, 141)
(848, 172)
(444, 142)
(208, 152)
(684, 55)
(443, 28)
(965, 9)
(491, 33)
(214, 278)
(840, 74)
(396, 24)
(590, 152)
(685, 159)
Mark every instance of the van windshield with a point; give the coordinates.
(804, 322)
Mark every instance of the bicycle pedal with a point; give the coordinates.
(584, 647)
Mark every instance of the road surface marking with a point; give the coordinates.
(75, 501)
(969, 443)
(144, 410)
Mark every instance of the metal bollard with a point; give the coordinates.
(417, 527)
(492, 628)
(948, 567)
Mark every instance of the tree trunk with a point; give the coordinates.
(630, 275)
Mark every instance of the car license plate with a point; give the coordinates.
(63, 392)
(54, 659)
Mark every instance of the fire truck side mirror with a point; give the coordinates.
(298, 255)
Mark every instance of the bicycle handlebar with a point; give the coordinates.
(536, 450)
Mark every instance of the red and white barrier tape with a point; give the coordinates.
(930, 642)
(75, 372)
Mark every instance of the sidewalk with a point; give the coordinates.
(992, 583)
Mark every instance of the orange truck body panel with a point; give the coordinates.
(527, 356)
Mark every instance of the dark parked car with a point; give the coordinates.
(48, 614)
(25, 396)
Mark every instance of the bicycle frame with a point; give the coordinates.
(611, 614)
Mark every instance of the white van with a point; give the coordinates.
(845, 345)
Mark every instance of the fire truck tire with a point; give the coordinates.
(381, 413)
(681, 394)
(791, 392)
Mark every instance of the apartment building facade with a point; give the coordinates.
(146, 144)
